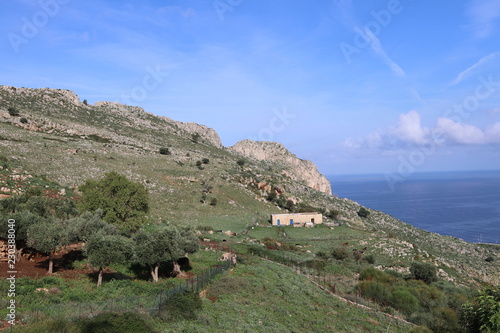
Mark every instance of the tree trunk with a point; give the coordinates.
(99, 277)
(177, 268)
(154, 272)
(19, 253)
(51, 264)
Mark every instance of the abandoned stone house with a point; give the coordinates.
(297, 219)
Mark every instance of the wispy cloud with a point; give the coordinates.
(376, 46)
(467, 72)
(484, 15)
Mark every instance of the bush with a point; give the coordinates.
(270, 243)
(370, 259)
(489, 259)
(205, 228)
(165, 151)
(333, 214)
(373, 274)
(375, 291)
(363, 212)
(23, 120)
(240, 162)
(402, 300)
(205, 161)
(181, 307)
(213, 202)
(13, 112)
(322, 255)
(483, 314)
(57, 325)
(116, 323)
(195, 137)
(340, 253)
(423, 271)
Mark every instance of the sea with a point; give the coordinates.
(462, 204)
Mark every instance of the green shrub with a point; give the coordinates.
(333, 214)
(205, 228)
(402, 300)
(489, 259)
(213, 202)
(56, 325)
(483, 314)
(375, 291)
(13, 112)
(116, 323)
(322, 255)
(370, 259)
(165, 151)
(270, 242)
(340, 253)
(363, 212)
(205, 161)
(23, 120)
(4, 161)
(195, 137)
(373, 274)
(423, 271)
(240, 162)
(181, 307)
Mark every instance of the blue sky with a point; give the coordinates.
(392, 87)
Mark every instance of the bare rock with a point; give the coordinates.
(292, 166)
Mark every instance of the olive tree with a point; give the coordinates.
(104, 250)
(154, 246)
(47, 237)
(82, 227)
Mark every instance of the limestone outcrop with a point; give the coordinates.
(290, 165)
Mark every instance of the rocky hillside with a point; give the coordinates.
(289, 164)
(51, 133)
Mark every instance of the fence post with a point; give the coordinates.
(159, 305)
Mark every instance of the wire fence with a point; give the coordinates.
(144, 304)
(194, 284)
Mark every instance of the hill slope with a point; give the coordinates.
(69, 142)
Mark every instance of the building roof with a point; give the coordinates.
(312, 213)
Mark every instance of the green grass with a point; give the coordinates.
(274, 299)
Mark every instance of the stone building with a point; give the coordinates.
(297, 219)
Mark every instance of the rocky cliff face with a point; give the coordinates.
(292, 166)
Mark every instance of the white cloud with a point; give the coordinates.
(461, 133)
(493, 133)
(409, 129)
(483, 61)
(409, 132)
(483, 16)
